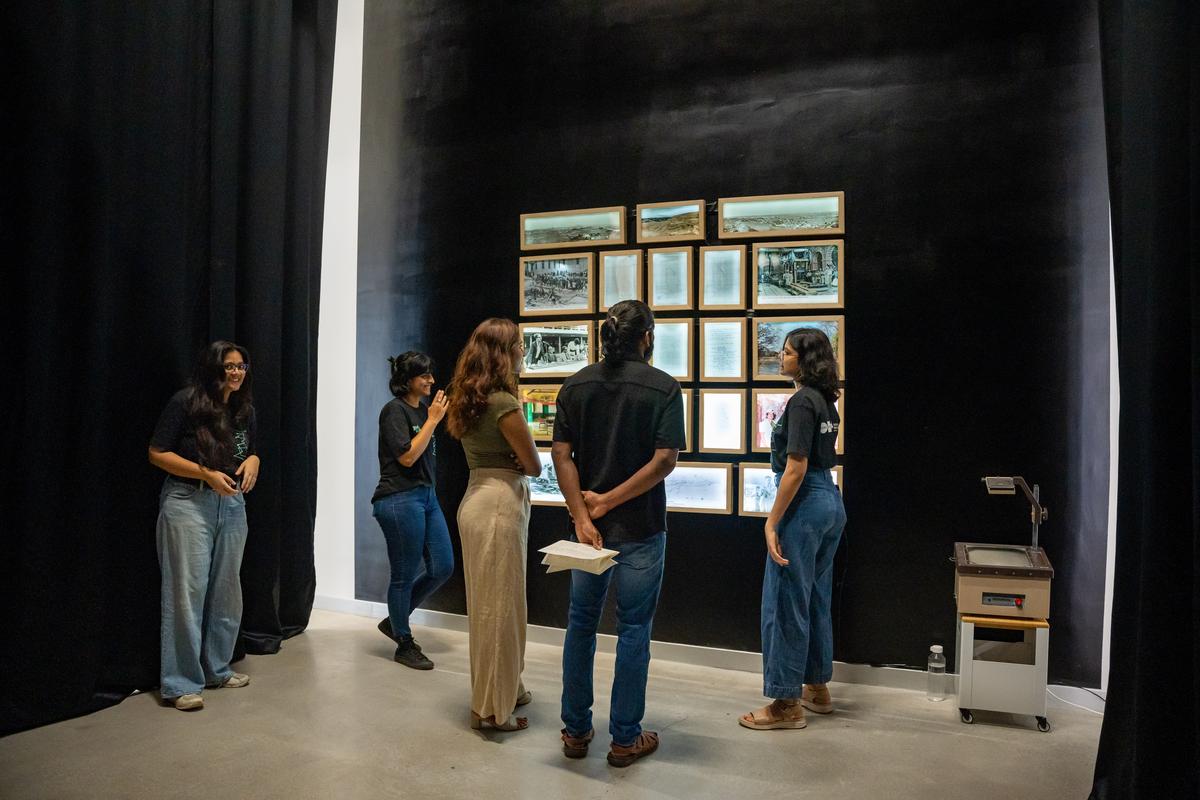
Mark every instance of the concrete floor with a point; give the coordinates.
(332, 716)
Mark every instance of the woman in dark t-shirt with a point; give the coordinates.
(802, 532)
(405, 504)
(205, 442)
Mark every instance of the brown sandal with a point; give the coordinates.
(623, 755)
(779, 715)
(576, 746)
(510, 724)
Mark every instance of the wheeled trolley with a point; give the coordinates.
(1002, 666)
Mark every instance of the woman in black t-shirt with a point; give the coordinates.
(405, 504)
(802, 532)
(205, 442)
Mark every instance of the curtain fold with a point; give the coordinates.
(1150, 740)
(165, 176)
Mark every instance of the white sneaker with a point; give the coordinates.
(236, 681)
(188, 702)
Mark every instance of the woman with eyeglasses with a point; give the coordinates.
(493, 517)
(205, 442)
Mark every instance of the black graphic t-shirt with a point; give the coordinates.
(398, 424)
(175, 433)
(808, 427)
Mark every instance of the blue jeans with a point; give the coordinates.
(797, 629)
(200, 536)
(638, 577)
(419, 551)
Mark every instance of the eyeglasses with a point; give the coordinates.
(236, 367)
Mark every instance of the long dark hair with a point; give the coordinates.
(405, 367)
(213, 419)
(818, 366)
(623, 329)
(485, 365)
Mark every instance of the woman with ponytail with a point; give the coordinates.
(205, 442)
(405, 503)
(493, 517)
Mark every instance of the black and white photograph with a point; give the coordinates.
(810, 214)
(686, 397)
(556, 349)
(543, 489)
(722, 277)
(582, 227)
(620, 277)
(799, 274)
(673, 348)
(538, 405)
(766, 411)
(556, 284)
(769, 334)
(670, 221)
(697, 488)
(722, 349)
(722, 421)
(670, 285)
(758, 489)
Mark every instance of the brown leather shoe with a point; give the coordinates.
(623, 755)
(576, 746)
(816, 698)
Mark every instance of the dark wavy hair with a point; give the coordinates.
(623, 329)
(406, 366)
(213, 419)
(818, 365)
(485, 365)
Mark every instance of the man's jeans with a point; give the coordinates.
(638, 578)
(419, 551)
(201, 536)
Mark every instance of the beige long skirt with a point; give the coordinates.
(493, 524)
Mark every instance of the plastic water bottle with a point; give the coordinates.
(937, 675)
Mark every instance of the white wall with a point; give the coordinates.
(335, 348)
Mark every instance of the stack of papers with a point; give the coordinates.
(573, 555)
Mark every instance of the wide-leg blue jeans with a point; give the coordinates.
(419, 550)
(638, 579)
(201, 536)
(797, 629)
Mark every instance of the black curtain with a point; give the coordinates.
(164, 187)
(1150, 742)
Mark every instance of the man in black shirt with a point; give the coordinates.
(617, 433)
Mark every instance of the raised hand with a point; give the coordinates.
(437, 406)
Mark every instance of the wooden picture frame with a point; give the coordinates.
(679, 297)
(708, 281)
(549, 284)
(668, 333)
(722, 421)
(604, 299)
(543, 488)
(714, 335)
(580, 227)
(687, 419)
(839, 477)
(695, 488)
(561, 340)
(798, 274)
(671, 221)
(756, 490)
(538, 408)
(765, 359)
(839, 446)
(766, 216)
(766, 407)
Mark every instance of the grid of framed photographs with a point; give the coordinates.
(727, 281)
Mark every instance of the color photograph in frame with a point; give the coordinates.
(722, 421)
(723, 349)
(696, 488)
(758, 489)
(840, 404)
(766, 410)
(673, 348)
(670, 222)
(769, 333)
(543, 488)
(556, 349)
(582, 227)
(687, 419)
(799, 274)
(556, 284)
(760, 216)
(538, 406)
(620, 277)
(669, 286)
(722, 277)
